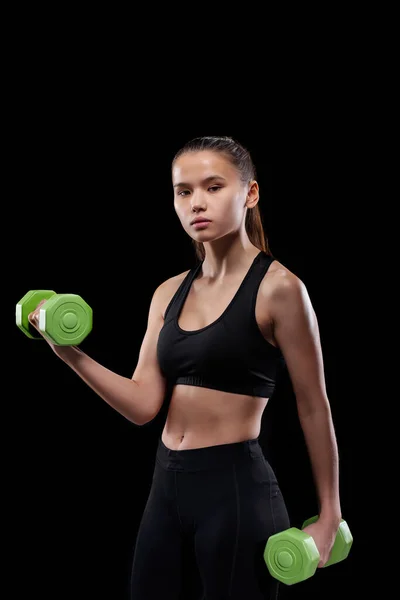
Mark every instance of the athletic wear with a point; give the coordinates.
(205, 525)
(231, 353)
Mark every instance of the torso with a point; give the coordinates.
(200, 417)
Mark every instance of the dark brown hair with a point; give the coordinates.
(240, 158)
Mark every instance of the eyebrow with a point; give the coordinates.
(206, 180)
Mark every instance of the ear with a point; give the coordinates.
(252, 194)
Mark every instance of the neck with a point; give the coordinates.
(217, 264)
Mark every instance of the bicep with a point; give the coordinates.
(296, 331)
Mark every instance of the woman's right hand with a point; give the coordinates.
(33, 319)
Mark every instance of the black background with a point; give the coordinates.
(92, 213)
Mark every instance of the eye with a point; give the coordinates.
(183, 193)
(215, 188)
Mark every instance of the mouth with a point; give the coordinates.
(198, 222)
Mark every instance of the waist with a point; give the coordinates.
(208, 457)
(207, 417)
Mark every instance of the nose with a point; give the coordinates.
(197, 202)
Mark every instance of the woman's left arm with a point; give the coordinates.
(296, 332)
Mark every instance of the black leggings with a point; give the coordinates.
(210, 511)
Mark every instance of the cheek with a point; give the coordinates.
(177, 207)
(239, 203)
(179, 212)
(233, 205)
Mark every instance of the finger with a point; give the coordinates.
(33, 317)
(41, 303)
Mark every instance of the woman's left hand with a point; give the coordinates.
(324, 535)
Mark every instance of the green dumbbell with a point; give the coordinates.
(292, 555)
(65, 319)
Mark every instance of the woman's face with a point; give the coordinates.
(207, 185)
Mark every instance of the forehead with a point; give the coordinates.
(202, 164)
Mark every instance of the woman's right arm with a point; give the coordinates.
(138, 399)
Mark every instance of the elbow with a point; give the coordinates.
(148, 417)
(142, 422)
(310, 405)
(148, 403)
(147, 421)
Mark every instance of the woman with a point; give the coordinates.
(220, 333)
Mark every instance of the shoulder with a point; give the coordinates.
(166, 290)
(281, 287)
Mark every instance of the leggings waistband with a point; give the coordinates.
(209, 457)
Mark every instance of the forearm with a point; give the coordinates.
(121, 393)
(321, 443)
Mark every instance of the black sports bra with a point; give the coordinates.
(230, 354)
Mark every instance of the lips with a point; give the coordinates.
(200, 221)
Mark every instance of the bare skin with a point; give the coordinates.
(199, 417)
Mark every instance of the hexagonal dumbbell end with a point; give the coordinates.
(291, 556)
(65, 319)
(25, 306)
(343, 541)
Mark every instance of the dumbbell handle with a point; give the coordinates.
(347, 539)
